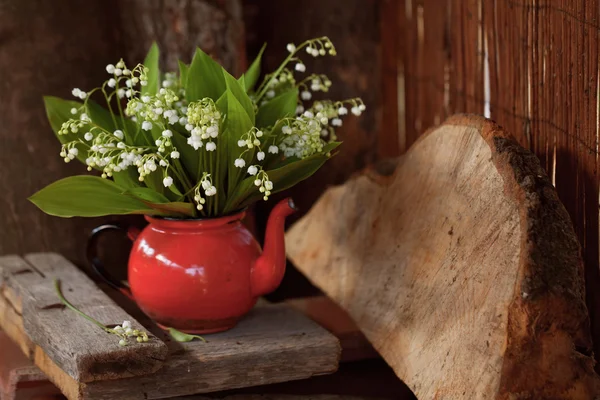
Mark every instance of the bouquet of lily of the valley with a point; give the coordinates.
(192, 143)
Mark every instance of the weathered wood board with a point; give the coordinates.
(461, 268)
(89, 353)
(274, 343)
(16, 369)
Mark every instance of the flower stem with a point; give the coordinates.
(73, 308)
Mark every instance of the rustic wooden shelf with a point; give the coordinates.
(274, 343)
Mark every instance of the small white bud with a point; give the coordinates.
(73, 111)
(110, 68)
(300, 67)
(260, 155)
(211, 146)
(88, 136)
(306, 95)
(119, 134)
(241, 143)
(252, 170)
(290, 47)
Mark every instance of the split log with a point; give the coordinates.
(462, 268)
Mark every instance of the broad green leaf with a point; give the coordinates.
(237, 124)
(161, 203)
(183, 337)
(251, 76)
(183, 73)
(87, 196)
(240, 94)
(277, 108)
(127, 178)
(204, 78)
(102, 117)
(222, 155)
(283, 178)
(242, 81)
(189, 157)
(174, 208)
(146, 194)
(59, 112)
(151, 62)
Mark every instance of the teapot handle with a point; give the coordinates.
(96, 263)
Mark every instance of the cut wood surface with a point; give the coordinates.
(461, 268)
(274, 343)
(81, 349)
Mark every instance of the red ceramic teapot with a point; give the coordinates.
(200, 275)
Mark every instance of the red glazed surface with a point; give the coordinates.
(201, 276)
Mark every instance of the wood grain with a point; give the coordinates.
(89, 354)
(462, 268)
(274, 343)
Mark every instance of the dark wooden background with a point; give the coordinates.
(530, 65)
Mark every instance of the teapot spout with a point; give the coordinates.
(269, 268)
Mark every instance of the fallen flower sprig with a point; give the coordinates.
(124, 331)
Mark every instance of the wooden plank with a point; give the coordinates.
(332, 317)
(462, 269)
(274, 343)
(15, 369)
(282, 397)
(89, 353)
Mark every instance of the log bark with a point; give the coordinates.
(462, 268)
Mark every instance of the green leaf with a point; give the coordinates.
(183, 337)
(151, 62)
(174, 208)
(189, 157)
(183, 73)
(204, 78)
(87, 196)
(147, 194)
(160, 202)
(251, 76)
(128, 178)
(58, 112)
(240, 94)
(237, 124)
(283, 178)
(102, 117)
(277, 108)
